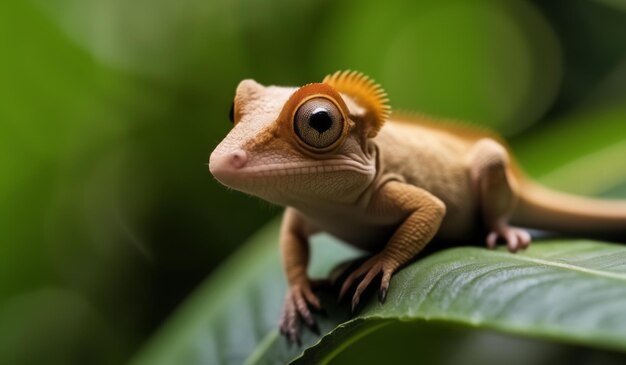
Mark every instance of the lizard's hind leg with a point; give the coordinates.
(497, 191)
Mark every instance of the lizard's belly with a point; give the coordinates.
(372, 232)
(368, 233)
(370, 238)
(374, 236)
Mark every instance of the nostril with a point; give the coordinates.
(223, 164)
(238, 158)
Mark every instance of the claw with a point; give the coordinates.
(355, 303)
(294, 338)
(346, 285)
(382, 295)
(384, 286)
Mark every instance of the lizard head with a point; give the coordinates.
(302, 145)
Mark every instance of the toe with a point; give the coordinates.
(292, 325)
(384, 286)
(492, 238)
(362, 286)
(294, 337)
(347, 284)
(312, 299)
(524, 238)
(303, 310)
(355, 303)
(293, 329)
(511, 240)
(285, 315)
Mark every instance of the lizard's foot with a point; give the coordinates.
(516, 238)
(295, 308)
(371, 268)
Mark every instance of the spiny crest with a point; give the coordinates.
(365, 91)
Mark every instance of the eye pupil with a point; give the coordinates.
(318, 123)
(320, 120)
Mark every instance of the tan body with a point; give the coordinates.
(415, 158)
(415, 153)
(322, 151)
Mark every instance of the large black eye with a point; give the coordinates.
(318, 123)
(231, 113)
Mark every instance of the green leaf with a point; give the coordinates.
(571, 292)
(565, 291)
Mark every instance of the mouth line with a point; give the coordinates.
(303, 168)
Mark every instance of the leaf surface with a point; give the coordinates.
(565, 291)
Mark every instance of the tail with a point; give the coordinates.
(541, 208)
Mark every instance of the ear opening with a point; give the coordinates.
(365, 92)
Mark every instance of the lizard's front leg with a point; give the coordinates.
(422, 214)
(294, 248)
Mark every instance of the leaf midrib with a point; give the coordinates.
(564, 265)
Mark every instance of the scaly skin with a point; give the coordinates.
(322, 151)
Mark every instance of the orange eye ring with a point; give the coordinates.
(320, 126)
(306, 93)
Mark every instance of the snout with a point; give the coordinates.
(226, 166)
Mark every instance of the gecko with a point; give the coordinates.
(335, 156)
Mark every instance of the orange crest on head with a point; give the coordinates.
(365, 92)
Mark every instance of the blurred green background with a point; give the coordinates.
(109, 110)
